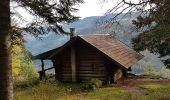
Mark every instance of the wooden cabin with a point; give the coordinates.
(91, 56)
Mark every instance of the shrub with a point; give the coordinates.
(92, 84)
(149, 70)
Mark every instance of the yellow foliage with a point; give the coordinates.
(22, 68)
(16, 59)
(22, 65)
(16, 49)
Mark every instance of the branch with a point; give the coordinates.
(135, 4)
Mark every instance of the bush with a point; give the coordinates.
(149, 70)
(92, 84)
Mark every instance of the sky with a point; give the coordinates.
(97, 7)
(94, 8)
(89, 8)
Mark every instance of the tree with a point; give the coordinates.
(5, 55)
(51, 13)
(152, 22)
(23, 69)
(157, 38)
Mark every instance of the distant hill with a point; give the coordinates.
(88, 25)
(96, 25)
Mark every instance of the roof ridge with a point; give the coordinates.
(93, 34)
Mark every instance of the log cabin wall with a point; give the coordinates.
(90, 64)
(65, 65)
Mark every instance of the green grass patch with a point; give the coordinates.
(157, 91)
(68, 91)
(43, 91)
(151, 86)
(109, 93)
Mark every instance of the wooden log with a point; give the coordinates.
(92, 75)
(73, 64)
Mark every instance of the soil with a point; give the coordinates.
(133, 83)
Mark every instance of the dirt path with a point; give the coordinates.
(133, 84)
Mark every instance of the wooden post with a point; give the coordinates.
(42, 73)
(73, 56)
(73, 64)
(42, 65)
(57, 69)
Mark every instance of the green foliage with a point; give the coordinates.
(158, 13)
(51, 13)
(157, 37)
(149, 70)
(92, 84)
(156, 41)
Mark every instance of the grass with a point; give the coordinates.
(58, 91)
(63, 91)
(43, 91)
(151, 86)
(109, 93)
(157, 91)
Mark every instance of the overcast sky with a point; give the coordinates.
(94, 8)
(97, 7)
(89, 8)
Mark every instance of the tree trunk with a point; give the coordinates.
(6, 88)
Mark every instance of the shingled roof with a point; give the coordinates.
(114, 49)
(109, 46)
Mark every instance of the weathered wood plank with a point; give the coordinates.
(73, 64)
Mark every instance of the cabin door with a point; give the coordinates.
(110, 68)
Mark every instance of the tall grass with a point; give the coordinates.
(67, 91)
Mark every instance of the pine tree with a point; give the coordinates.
(53, 13)
(157, 37)
(153, 24)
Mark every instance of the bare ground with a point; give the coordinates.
(132, 84)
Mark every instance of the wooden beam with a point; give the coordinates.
(42, 65)
(42, 73)
(49, 68)
(73, 64)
